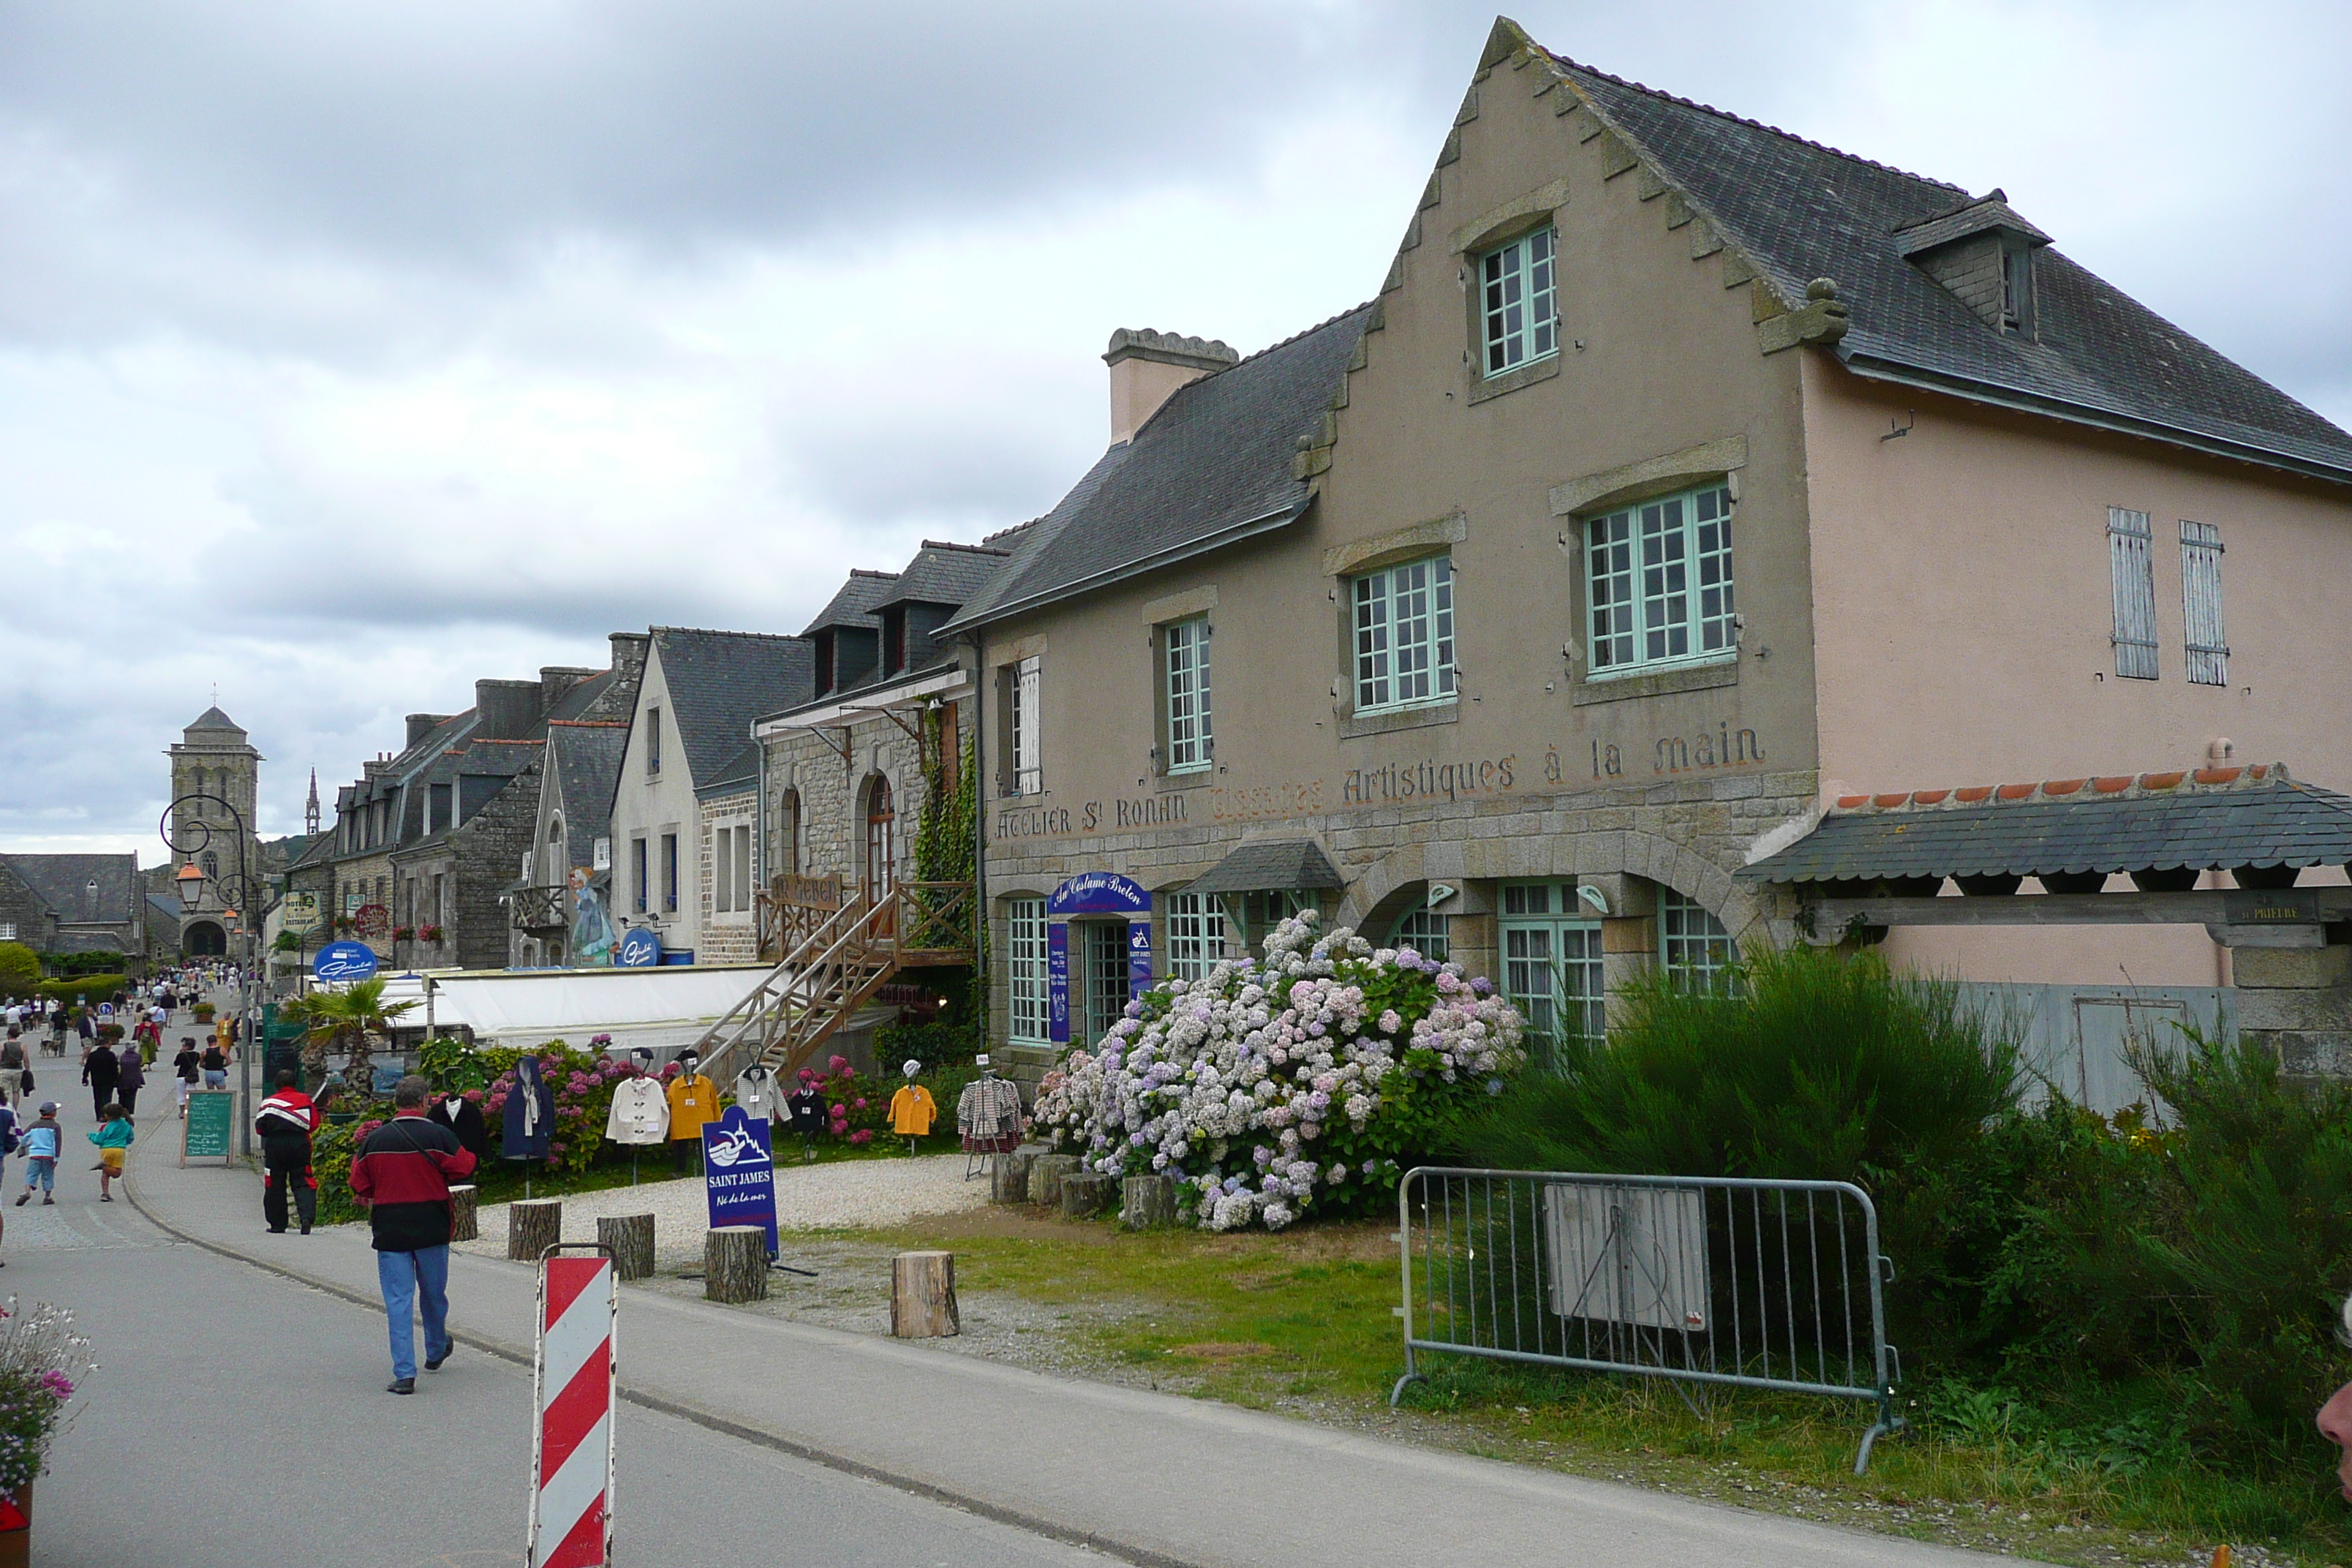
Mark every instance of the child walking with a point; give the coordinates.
(113, 1141)
(44, 1141)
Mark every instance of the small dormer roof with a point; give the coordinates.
(1981, 215)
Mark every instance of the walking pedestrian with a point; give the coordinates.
(129, 1078)
(44, 1141)
(286, 1121)
(100, 1069)
(185, 1068)
(214, 1061)
(402, 1172)
(113, 1138)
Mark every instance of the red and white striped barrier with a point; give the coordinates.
(572, 1404)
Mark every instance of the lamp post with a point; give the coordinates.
(240, 895)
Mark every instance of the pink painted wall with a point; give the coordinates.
(1962, 612)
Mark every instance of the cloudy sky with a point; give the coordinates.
(348, 353)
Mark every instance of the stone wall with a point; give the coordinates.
(22, 908)
(832, 795)
(727, 938)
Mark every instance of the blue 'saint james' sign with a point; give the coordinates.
(739, 1172)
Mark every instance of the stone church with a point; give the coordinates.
(216, 785)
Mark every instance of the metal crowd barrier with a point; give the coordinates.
(1712, 1280)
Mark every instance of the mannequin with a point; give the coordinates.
(804, 1109)
(912, 1107)
(530, 1117)
(988, 1116)
(693, 1100)
(640, 1113)
(464, 1118)
(758, 1093)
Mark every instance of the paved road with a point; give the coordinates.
(239, 1418)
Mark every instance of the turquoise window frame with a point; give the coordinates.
(1660, 581)
(1402, 617)
(1518, 300)
(1542, 927)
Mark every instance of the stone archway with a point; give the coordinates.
(204, 939)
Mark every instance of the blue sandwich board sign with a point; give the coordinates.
(739, 1172)
(341, 962)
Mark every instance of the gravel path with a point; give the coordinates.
(850, 1193)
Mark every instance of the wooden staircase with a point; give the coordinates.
(835, 962)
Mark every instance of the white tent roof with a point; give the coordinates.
(652, 1007)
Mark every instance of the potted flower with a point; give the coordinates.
(344, 925)
(41, 1357)
(402, 934)
(429, 933)
(204, 1012)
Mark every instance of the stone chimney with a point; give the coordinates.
(506, 709)
(1148, 367)
(423, 724)
(555, 679)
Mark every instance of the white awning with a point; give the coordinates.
(655, 1007)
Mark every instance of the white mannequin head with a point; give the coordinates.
(911, 1068)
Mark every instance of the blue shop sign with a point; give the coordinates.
(1099, 893)
(640, 949)
(343, 962)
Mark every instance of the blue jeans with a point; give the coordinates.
(409, 1279)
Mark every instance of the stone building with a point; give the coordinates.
(560, 910)
(1466, 556)
(688, 729)
(75, 903)
(432, 838)
(215, 786)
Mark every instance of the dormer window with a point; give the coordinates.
(824, 656)
(1983, 255)
(894, 639)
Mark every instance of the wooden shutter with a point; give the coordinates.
(2200, 604)
(2135, 590)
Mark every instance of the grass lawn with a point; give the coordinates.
(1300, 1323)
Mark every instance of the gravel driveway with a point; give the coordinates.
(844, 1194)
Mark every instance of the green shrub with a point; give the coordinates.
(1818, 1064)
(20, 969)
(95, 988)
(71, 966)
(939, 1045)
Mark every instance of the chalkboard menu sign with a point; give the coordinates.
(206, 1134)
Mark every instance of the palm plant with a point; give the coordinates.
(348, 1018)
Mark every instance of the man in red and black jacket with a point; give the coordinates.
(286, 1121)
(402, 1172)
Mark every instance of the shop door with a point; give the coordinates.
(1105, 950)
(881, 840)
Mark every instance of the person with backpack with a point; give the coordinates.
(285, 1123)
(44, 1141)
(114, 1137)
(185, 1068)
(402, 1172)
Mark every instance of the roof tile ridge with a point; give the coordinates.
(716, 632)
(1295, 337)
(589, 723)
(2088, 786)
(1664, 95)
(980, 549)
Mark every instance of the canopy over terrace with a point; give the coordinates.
(1881, 860)
(658, 1008)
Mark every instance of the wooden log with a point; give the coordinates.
(922, 1296)
(1008, 1179)
(533, 1225)
(631, 1238)
(1045, 1174)
(466, 1211)
(1085, 1194)
(735, 1264)
(1147, 1201)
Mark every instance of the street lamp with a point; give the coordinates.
(236, 891)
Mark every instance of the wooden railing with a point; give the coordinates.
(541, 908)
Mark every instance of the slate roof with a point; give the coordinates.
(1800, 211)
(721, 681)
(586, 760)
(62, 882)
(2216, 818)
(214, 718)
(943, 573)
(1213, 466)
(1282, 864)
(854, 604)
(739, 772)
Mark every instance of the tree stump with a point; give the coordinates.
(1045, 1174)
(922, 1296)
(465, 1214)
(533, 1225)
(1085, 1194)
(1008, 1179)
(631, 1238)
(735, 1264)
(1147, 1201)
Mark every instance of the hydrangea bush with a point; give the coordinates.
(1272, 1089)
